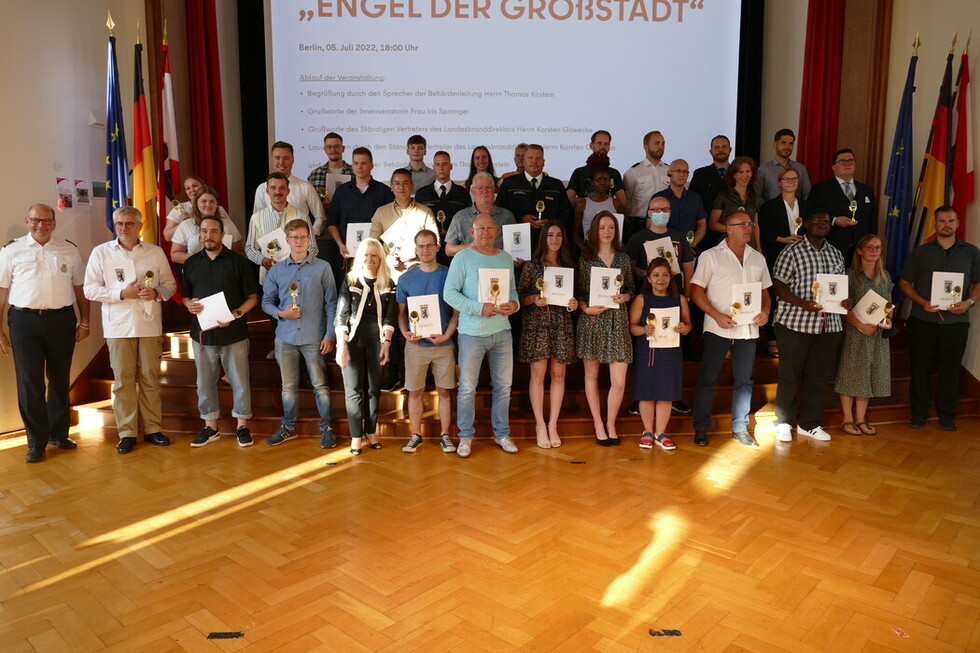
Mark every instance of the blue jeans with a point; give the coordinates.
(287, 356)
(209, 359)
(743, 364)
(499, 351)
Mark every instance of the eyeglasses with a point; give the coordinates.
(744, 225)
(126, 225)
(297, 238)
(47, 222)
(430, 246)
(845, 162)
(872, 248)
(790, 179)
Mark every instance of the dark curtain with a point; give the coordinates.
(207, 116)
(820, 100)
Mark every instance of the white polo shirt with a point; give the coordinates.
(718, 270)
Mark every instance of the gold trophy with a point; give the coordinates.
(539, 284)
(853, 207)
(270, 249)
(175, 204)
(618, 282)
(441, 217)
(886, 322)
(324, 195)
(495, 292)
(414, 318)
(148, 279)
(690, 238)
(815, 289)
(797, 223)
(294, 292)
(539, 207)
(651, 321)
(955, 296)
(736, 308)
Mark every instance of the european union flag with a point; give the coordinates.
(116, 164)
(898, 188)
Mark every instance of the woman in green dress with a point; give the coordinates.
(865, 359)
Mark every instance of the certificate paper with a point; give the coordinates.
(662, 248)
(118, 273)
(489, 277)
(833, 290)
(277, 241)
(333, 180)
(748, 296)
(602, 287)
(947, 289)
(559, 286)
(215, 310)
(429, 315)
(517, 240)
(871, 308)
(356, 233)
(664, 335)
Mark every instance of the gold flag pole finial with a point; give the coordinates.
(111, 25)
(138, 41)
(966, 48)
(952, 46)
(165, 42)
(915, 45)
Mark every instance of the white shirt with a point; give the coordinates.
(40, 276)
(266, 221)
(718, 270)
(188, 234)
(792, 213)
(302, 196)
(129, 318)
(643, 181)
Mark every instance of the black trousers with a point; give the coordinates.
(927, 343)
(43, 346)
(807, 361)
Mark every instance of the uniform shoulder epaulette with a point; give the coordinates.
(636, 164)
(71, 243)
(8, 242)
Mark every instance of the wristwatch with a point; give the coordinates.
(972, 301)
(237, 313)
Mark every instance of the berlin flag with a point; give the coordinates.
(169, 186)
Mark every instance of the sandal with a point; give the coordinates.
(867, 429)
(553, 437)
(541, 433)
(665, 443)
(851, 428)
(646, 440)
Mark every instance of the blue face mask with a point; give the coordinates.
(659, 219)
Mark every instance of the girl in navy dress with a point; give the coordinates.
(657, 373)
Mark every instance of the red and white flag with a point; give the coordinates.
(962, 185)
(170, 180)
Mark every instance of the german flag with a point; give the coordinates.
(144, 176)
(934, 180)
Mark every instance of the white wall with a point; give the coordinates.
(53, 75)
(782, 71)
(231, 102)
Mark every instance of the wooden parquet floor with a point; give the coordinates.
(860, 544)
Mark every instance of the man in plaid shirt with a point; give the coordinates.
(809, 339)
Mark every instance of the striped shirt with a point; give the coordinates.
(798, 266)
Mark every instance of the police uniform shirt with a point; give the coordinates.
(41, 276)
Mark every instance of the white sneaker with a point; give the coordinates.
(506, 444)
(463, 448)
(817, 433)
(784, 433)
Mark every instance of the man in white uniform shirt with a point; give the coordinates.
(302, 195)
(132, 324)
(40, 280)
(644, 180)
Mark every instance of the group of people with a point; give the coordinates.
(638, 260)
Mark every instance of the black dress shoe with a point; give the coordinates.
(701, 438)
(744, 438)
(34, 455)
(947, 425)
(126, 445)
(159, 439)
(916, 423)
(66, 443)
(680, 408)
